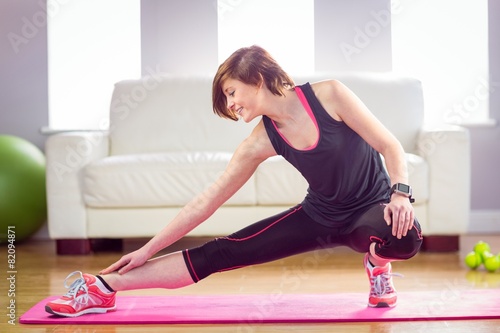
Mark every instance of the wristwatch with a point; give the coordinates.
(404, 190)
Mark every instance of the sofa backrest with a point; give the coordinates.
(174, 113)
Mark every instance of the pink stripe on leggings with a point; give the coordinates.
(266, 228)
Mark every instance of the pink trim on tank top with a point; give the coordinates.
(306, 105)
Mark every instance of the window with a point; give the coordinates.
(92, 45)
(285, 28)
(445, 44)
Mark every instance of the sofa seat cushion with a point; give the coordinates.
(172, 179)
(279, 183)
(156, 180)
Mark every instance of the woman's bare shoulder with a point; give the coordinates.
(330, 93)
(328, 88)
(258, 144)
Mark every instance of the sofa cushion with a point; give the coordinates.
(173, 113)
(172, 179)
(279, 183)
(155, 180)
(170, 114)
(396, 101)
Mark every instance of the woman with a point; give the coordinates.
(330, 136)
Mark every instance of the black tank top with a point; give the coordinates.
(345, 174)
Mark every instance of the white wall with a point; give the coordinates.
(485, 142)
(352, 35)
(179, 37)
(23, 69)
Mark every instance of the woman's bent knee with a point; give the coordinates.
(406, 247)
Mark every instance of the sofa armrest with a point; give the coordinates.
(447, 151)
(66, 155)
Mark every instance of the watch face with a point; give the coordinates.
(403, 188)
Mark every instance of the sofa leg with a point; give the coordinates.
(448, 243)
(107, 245)
(73, 246)
(87, 246)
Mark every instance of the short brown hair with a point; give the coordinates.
(249, 65)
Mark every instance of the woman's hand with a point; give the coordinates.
(127, 262)
(399, 212)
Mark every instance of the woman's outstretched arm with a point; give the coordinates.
(249, 154)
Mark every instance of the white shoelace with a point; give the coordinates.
(381, 284)
(75, 287)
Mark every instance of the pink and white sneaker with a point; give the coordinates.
(382, 291)
(87, 294)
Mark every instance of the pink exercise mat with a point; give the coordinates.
(447, 304)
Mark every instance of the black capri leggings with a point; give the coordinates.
(292, 232)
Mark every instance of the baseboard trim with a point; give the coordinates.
(484, 222)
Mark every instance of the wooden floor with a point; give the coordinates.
(40, 273)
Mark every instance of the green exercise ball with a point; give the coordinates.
(23, 201)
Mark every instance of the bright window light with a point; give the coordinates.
(91, 45)
(285, 28)
(444, 43)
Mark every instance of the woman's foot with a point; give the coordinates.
(382, 291)
(87, 294)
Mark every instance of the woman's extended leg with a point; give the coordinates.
(279, 236)
(283, 235)
(276, 237)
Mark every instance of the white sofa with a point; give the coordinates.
(165, 144)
